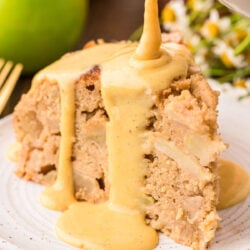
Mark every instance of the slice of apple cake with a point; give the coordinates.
(181, 141)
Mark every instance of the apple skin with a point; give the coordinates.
(37, 32)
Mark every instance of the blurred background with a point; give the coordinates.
(36, 33)
(42, 28)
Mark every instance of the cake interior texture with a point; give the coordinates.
(181, 182)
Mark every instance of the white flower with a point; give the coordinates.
(237, 35)
(215, 25)
(201, 5)
(174, 16)
(226, 54)
(201, 60)
(240, 83)
(248, 83)
(195, 40)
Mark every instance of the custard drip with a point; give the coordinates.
(61, 194)
(234, 184)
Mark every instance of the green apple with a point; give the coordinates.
(37, 32)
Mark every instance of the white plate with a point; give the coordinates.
(26, 225)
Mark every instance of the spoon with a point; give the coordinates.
(240, 6)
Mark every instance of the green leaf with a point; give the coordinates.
(242, 46)
(215, 72)
(136, 34)
(239, 73)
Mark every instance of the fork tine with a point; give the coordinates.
(5, 71)
(1, 62)
(9, 86)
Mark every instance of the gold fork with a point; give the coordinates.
(8, 78)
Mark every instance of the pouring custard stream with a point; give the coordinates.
(128, 73)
